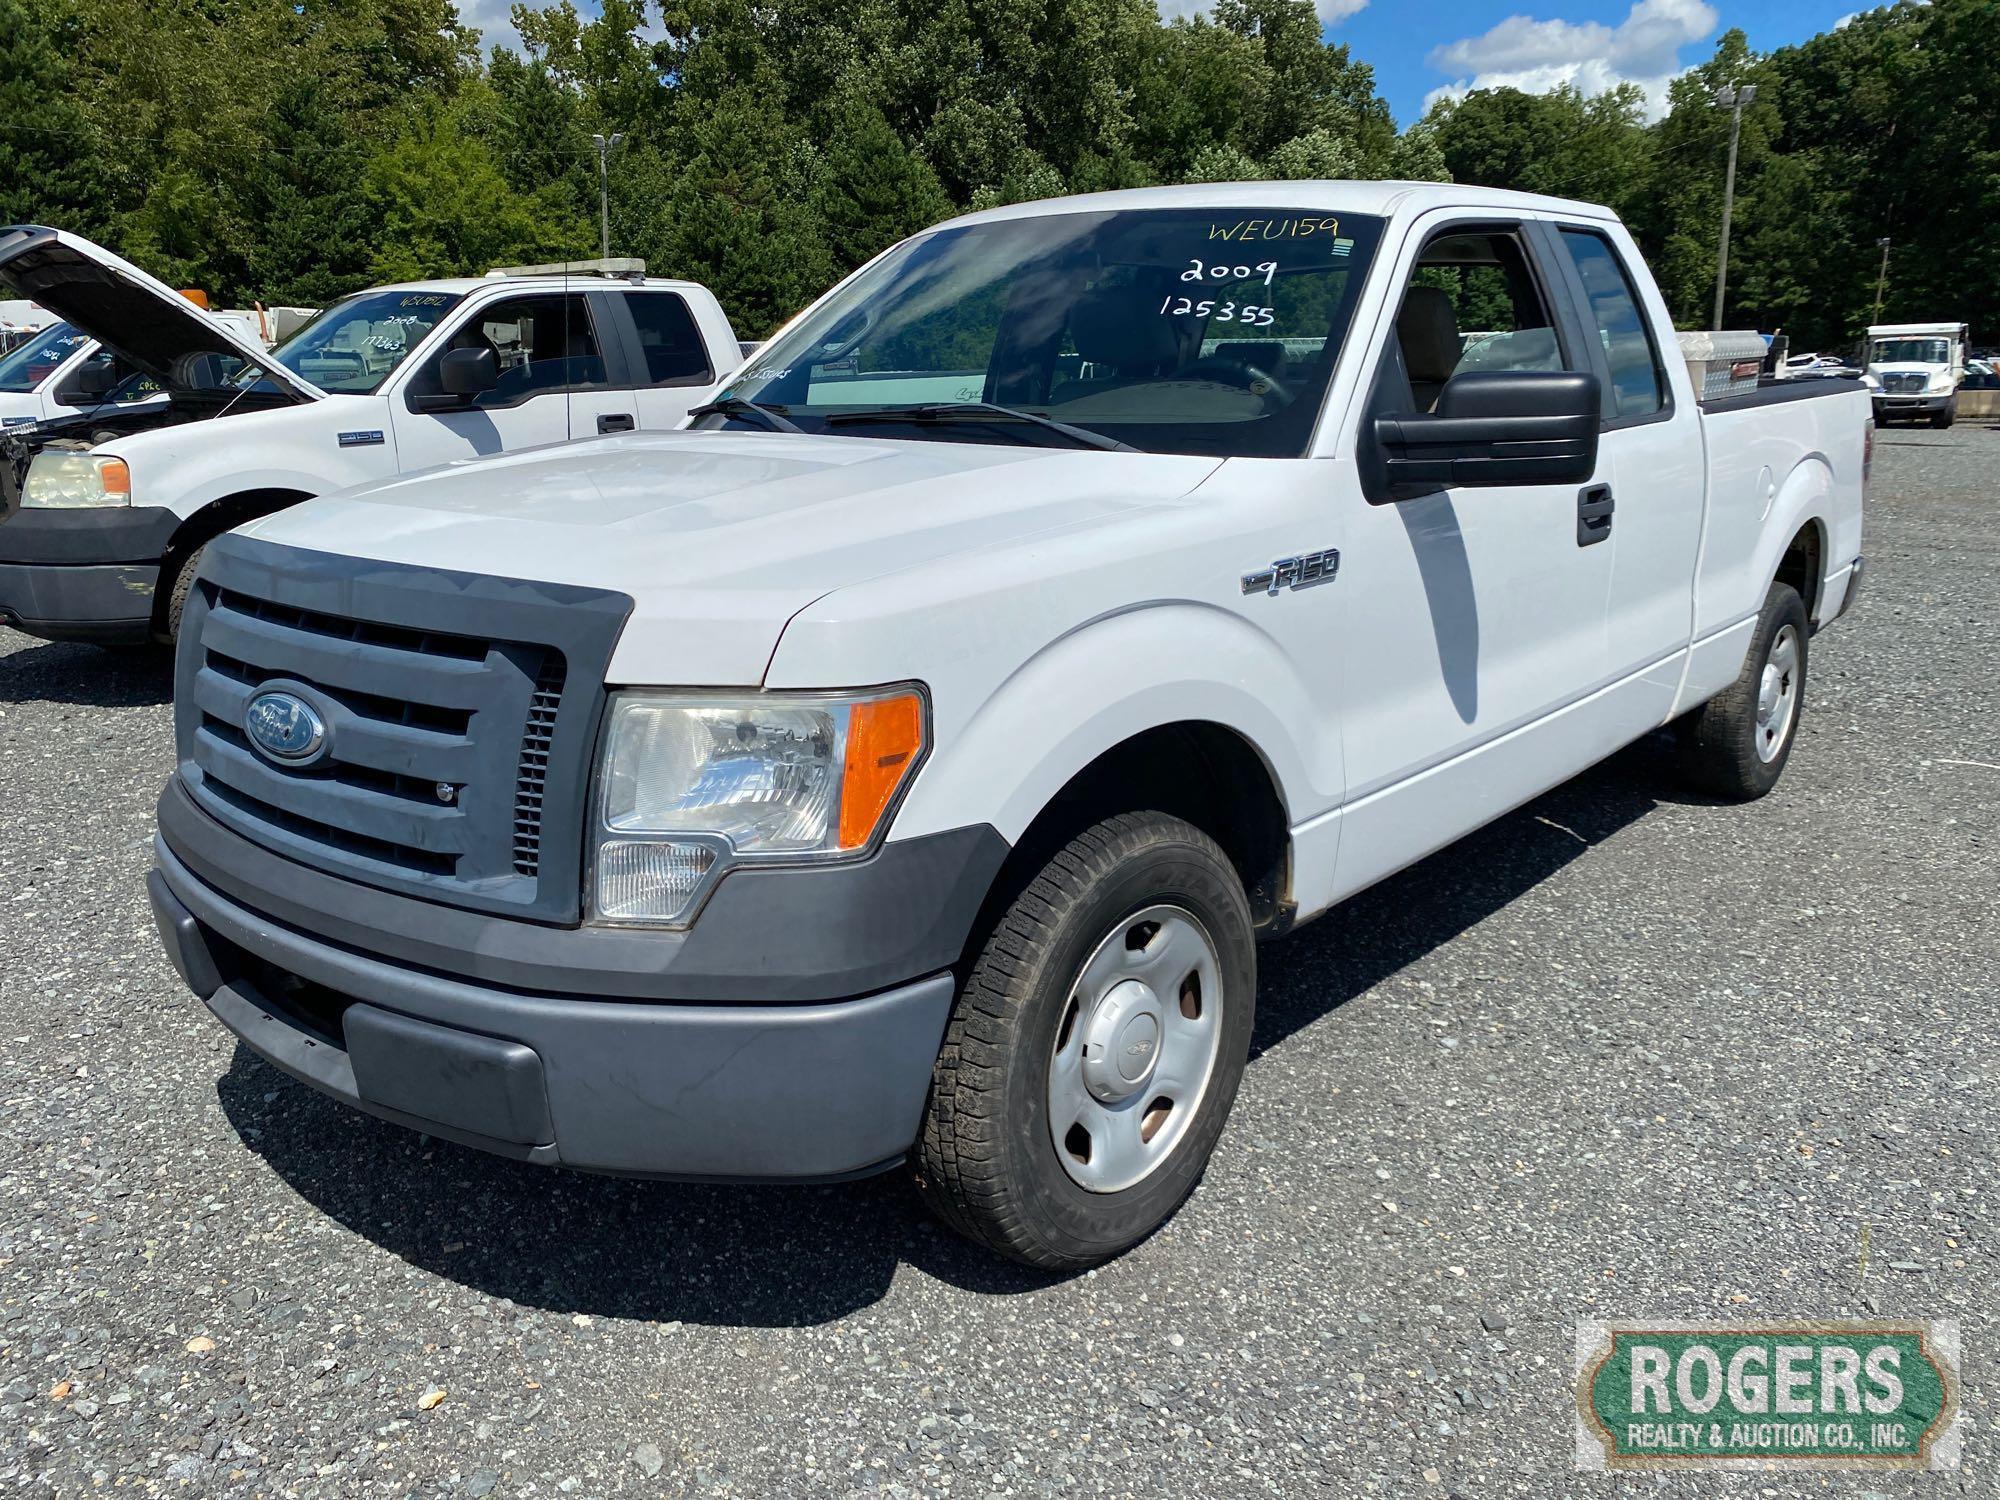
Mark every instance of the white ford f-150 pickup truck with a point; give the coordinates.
(902, 763)
(104, 511)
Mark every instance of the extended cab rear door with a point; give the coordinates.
(677, 369)
(1650, 455)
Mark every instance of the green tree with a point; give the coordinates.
(762, 250)
(48, 148)
(873, 189)
(1595, 148)
(444, 207)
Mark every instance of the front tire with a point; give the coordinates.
(1095, 1049)
(1735, 745)
(1946, 417)
(177, 596)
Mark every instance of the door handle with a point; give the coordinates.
(1593, 515)
(617, 421)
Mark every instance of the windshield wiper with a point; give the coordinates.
(735, 406)
(945, 411)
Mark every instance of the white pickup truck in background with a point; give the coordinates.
(103, 510)
(887, 769)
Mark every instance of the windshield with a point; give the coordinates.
(1911, 352)
(1173, 331)
(353, 345)
(26, 367)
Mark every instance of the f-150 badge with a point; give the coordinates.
(1303, 572)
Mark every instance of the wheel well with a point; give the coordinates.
(1801, 566)
(208, 523)
(1202, 772)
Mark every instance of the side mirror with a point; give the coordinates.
(96, 379)
(1494, 427)
(465, 375)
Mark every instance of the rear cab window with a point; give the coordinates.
(1637, 385)
(669, 339)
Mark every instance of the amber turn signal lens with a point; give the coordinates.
(117, 478)
(884, 738)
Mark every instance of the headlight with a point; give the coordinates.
(692, 783)
(71, 481)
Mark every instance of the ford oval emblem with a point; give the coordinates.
(285, 727)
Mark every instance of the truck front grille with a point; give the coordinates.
(532, 781)
(448, 753)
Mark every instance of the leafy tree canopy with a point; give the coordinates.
(293, 150)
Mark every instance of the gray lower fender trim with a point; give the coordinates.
(736, 1092)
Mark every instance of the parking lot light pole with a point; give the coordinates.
(1734, 100)
(1881, 279)
(605, 144)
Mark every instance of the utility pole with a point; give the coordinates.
(605, 144)
(1881, 279)
(1734, 100)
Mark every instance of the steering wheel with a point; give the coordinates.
(1244, 377)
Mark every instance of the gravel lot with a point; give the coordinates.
(1622, 1054)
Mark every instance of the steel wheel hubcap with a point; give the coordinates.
(1135, 1048)
(1778, 694)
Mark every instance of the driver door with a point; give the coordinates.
(1474, 614)
(547, 349)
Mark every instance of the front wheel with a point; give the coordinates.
(177, 595)
(1947, 416)
(1095, 1050)
(1735, 745)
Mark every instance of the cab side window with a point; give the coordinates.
(1473, 304)
(544, 343)
(1637, 388)
(675, 354)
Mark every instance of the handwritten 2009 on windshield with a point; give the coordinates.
(1227, 312)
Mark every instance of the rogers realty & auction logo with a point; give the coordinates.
(1870, 1395)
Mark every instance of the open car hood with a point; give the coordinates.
(123, 308)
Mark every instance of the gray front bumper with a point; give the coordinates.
(732, 1091)
(83, 574)
(110, 602)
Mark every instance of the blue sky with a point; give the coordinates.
(1417, 49)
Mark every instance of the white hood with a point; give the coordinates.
(721, 537)
(123, 308)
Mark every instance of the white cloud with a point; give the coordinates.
(492, 20)
(1330, 11)
(1538, 56)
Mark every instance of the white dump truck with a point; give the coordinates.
(1914, 371)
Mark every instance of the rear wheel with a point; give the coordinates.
(1735, 745)
(1096, 1047)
